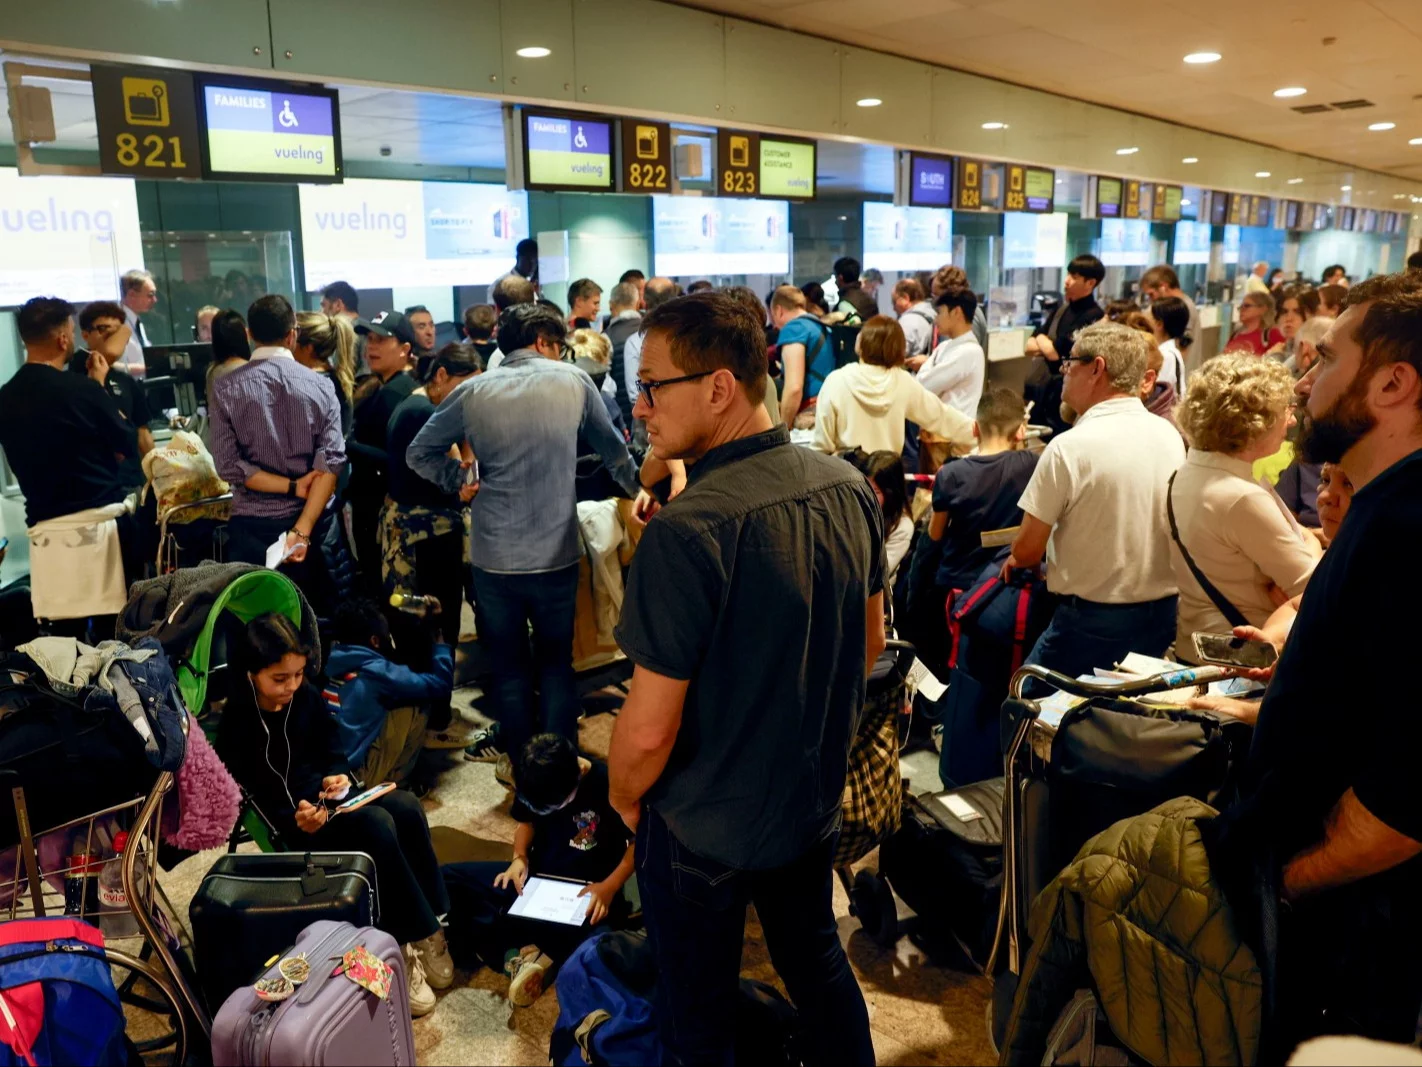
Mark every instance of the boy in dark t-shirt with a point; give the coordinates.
(979, 493)
(567, 830)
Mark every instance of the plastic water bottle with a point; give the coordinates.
(116, 919)
(415, 605)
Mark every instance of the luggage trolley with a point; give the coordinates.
(48, 882)
(210, 508)
(1027, 864)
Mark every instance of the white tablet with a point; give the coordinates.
(553, 900)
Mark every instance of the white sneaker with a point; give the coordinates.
(422, 998)
(526, 973)
(434, 957)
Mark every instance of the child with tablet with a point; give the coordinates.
(572, 854)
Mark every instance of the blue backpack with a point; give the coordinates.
(58, 1004)
(605, 1004)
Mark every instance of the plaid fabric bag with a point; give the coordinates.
(873, 795)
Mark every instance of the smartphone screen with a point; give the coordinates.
(1234, 651)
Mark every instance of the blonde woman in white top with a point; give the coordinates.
(1239, 533)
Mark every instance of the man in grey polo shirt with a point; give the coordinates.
(755, 601)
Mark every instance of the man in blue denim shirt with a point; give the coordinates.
(523, 422)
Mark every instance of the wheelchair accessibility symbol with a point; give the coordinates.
(286, 116)
(579, 139)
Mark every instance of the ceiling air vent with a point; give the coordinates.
(1352, 105)
(1312, 109)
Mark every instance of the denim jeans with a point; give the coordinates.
(695, 910)
(504, 607)
(1084, 635)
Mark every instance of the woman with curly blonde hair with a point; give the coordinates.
(1238, 534)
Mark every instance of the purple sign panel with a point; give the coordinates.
(931, 181)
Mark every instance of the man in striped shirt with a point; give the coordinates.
(276, 438)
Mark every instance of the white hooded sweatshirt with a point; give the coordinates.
(864, 406)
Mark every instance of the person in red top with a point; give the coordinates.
(1256, 333)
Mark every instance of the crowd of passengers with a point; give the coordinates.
(1273, 491)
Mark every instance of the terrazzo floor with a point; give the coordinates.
(920, 1011)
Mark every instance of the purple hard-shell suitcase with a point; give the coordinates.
(329, 1020)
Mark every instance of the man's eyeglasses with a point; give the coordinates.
(645, 387)
(1079, 359)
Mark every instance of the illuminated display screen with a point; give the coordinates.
(930, 181)
(720, 235)
(264, 132)
(907, 238)
(1031, 241)
(1192, 243)
(787, 168)
(567, 152)
(1108, 198)
(384, 234)
(1041, 189)
(1125, 242)
(66, 236)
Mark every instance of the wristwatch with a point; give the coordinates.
(291, 487)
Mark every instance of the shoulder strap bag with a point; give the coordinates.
(1231, 613)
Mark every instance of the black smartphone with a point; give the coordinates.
(1230, 651)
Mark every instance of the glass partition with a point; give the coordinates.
(193, 269)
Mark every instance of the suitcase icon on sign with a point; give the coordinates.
(145, 101)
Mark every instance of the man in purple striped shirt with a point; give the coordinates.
(276, 438)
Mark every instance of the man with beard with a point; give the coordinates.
(1327, 831)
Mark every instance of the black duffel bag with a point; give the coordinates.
(1113, 759)
(72, 755)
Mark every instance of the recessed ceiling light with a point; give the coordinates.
(1127, 151)
(1415, 140)
(535, 52)
(1378, 127)
(869, 101)
(1291, 90)
(1190, 159)
(1399, 196)
(1262, 174)
(1203, 57)
(1295, 181)
(1184, 203)
(994, 125)
(1346, 188)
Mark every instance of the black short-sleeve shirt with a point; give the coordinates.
(979, 493)
(585, 839)
(752, 586)
(64, 437)
(132, 402)
(1337, 714)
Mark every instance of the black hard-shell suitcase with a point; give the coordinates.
(948, 869)
(251, 905)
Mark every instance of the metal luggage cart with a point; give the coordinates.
(167, 559)
(1021, 873)
(163, 959)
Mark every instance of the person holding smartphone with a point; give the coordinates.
(283, 746)
(567, 829)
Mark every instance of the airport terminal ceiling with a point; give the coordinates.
(1342, 52)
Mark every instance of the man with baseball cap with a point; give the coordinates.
(390, 341)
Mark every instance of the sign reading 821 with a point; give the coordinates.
(147, 122)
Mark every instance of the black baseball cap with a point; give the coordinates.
(390, 324)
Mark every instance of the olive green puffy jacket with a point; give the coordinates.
(1137, 917)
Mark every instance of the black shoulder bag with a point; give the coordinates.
(1231, 613)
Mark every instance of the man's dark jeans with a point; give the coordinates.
(695, 910)
(1084, 635)
(504, 607)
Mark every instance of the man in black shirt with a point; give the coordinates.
(390, 343)
(62, 433)
(1054, 339)
(1329, 817)
(105, 332)
(423, 551)
(755, 601)
(854, 302)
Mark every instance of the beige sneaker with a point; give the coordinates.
(434, 957)
(503, 771)
(526, 972)
(422, 998)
